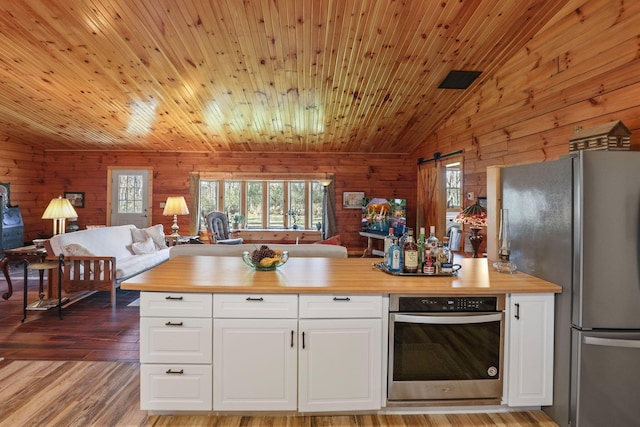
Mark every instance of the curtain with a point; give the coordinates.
(194, 197)
(330, 219)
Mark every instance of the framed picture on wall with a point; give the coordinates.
(76, 199)
(352, 199)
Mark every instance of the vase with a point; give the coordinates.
(476, 240)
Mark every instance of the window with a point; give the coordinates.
(272, 203)
(454, 186)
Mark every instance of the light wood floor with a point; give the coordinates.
(64, 393)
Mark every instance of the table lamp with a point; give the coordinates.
(59, 210)
(175, 205)
(476, 216)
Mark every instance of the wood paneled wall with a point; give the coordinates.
(22, 166)
(582, 69)
(376, 175)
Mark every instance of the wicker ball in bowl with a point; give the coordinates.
(268, 263)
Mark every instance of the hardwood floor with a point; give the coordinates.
(83, 370)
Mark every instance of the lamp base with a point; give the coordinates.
(475, 239)
(174, 227)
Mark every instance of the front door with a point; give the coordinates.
(130, 197)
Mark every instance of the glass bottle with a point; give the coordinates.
(401, 241)
(388, 241)
(427, 265)
(410, 254)
(437, 256)
(394, 256)
(446, 257)
(432, 240)
(421, 245)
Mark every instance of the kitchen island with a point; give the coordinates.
(312, 336)
(328, 276)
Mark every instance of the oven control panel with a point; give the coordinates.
(445, 304)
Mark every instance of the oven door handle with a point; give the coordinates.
(447, 320)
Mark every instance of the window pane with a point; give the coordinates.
(316, 204)
(232, 198)
(296, 204)
(276, 204)
(254, 204)
(453, 188)
(130, 194)
(208, 197)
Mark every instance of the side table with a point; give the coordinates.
(26, 253)
(43, 303)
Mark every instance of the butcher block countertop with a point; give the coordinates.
(216, 274)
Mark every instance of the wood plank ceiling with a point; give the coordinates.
(256, 75)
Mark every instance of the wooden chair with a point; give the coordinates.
(218, 227)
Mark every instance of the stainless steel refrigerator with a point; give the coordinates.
(576, 222)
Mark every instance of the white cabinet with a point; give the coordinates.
(530, 350)
(175, 351)
(340, 355)
(255, 352)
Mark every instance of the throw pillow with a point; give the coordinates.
(335, 240)
(156, 232)
(76, 249)
(146, 247)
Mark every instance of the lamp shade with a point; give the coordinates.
(59, 208)
(475, 215)
(175, 205)
(325, 182)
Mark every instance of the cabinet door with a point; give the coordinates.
(340, 364)
(255, 364)
(530, 347)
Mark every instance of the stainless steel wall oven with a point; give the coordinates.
(446, 348)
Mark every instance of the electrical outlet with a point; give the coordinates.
(470, 195)
(162, 205)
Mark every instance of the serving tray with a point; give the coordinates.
(382, 267)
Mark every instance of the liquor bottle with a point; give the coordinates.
(446, 263)
(437, 256)
(394, 256)
(388, 240)
(427, 265)
(432, 240)
(401, 241)
(410, 254)
(421, 246)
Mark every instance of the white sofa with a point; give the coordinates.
(101, 258)
(306, 250)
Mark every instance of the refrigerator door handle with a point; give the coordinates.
(611, 342)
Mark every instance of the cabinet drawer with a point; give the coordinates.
(170, 304)
(176, 387)
(176, 340)
(250, 306)
(340, 306)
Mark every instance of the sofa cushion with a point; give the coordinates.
(155, 232)
(76, 249)
(133, 265)
(144, 247)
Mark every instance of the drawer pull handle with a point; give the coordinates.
(170, 371)
(255, 299)
(517, 316)
(170, 323)
(341, 299)
(292, 338)
(303, 344)
(174, 298)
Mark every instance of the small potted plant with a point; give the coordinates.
(238, 221)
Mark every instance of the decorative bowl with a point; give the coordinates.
(268, 265)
